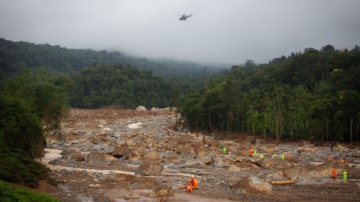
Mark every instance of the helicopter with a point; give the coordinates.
(183, 17)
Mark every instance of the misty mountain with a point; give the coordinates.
(15, 57)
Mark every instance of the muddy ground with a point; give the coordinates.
(112, 154)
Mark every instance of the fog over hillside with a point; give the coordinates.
(229, 32)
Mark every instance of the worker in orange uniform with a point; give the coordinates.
(193, 184)
(288, 156)
(330, 159)
(250, 151)
(333, 172)
(189, 188)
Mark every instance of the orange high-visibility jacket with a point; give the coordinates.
(250, 152)
(333, 173)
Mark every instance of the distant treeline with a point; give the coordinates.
(119, 85)
(15, 57)
(314, 93)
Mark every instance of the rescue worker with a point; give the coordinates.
(288, 156)
(344, 175)
(194, 183)
(261, 156)
(330, 159)
(224, 149)
(339, 147)
(283, 157)
(189, 188)
(250, 151)
(254, 153)
(274, 156)
(333, 173)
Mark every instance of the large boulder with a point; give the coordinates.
(193, 164)
(96, 157)
(306, 149)
(201, 151)
(98, 139)
(173, 159)
(133, 155)
(275, 164)
(270, 149)
(161, 191)
(141, 108)
(152, 156)
(77, 157)
(120, 151)
(149, 169)
(132, 196)
(252, 185)
(135, 140)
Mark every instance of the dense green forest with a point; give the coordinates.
(311, 94)
(15, 57)
(119, 85)
(30, 104)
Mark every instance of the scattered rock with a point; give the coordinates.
(120, 151)
(161, 191)
(153, 156)
(149, 169)
(96, 157)
(77, 157)
(141, 108)
(132, 196)
(252, 185)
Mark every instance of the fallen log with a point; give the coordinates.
(282, 182)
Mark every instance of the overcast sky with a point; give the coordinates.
(224, 31)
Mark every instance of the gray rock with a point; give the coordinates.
(171, 166)
(96, 157)
(148, 169)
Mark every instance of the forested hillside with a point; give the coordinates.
(119, 85)
(15, 57)
(311, 94)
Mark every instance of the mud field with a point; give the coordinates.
(123, 155)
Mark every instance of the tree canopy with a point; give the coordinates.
(309, 94)
(120, 85)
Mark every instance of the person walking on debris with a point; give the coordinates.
(333, 173)
(345, 175)
(224, 149)
(250, 151)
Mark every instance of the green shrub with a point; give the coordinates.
(31, 182)
(18, 167)
(51, 181)
(10, 194)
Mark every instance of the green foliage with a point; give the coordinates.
(44, 95)
(19, 127)
(118, 85)
(10, 194)
(27, 103)
(16, 57)
(18, 167)
(315, 93)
